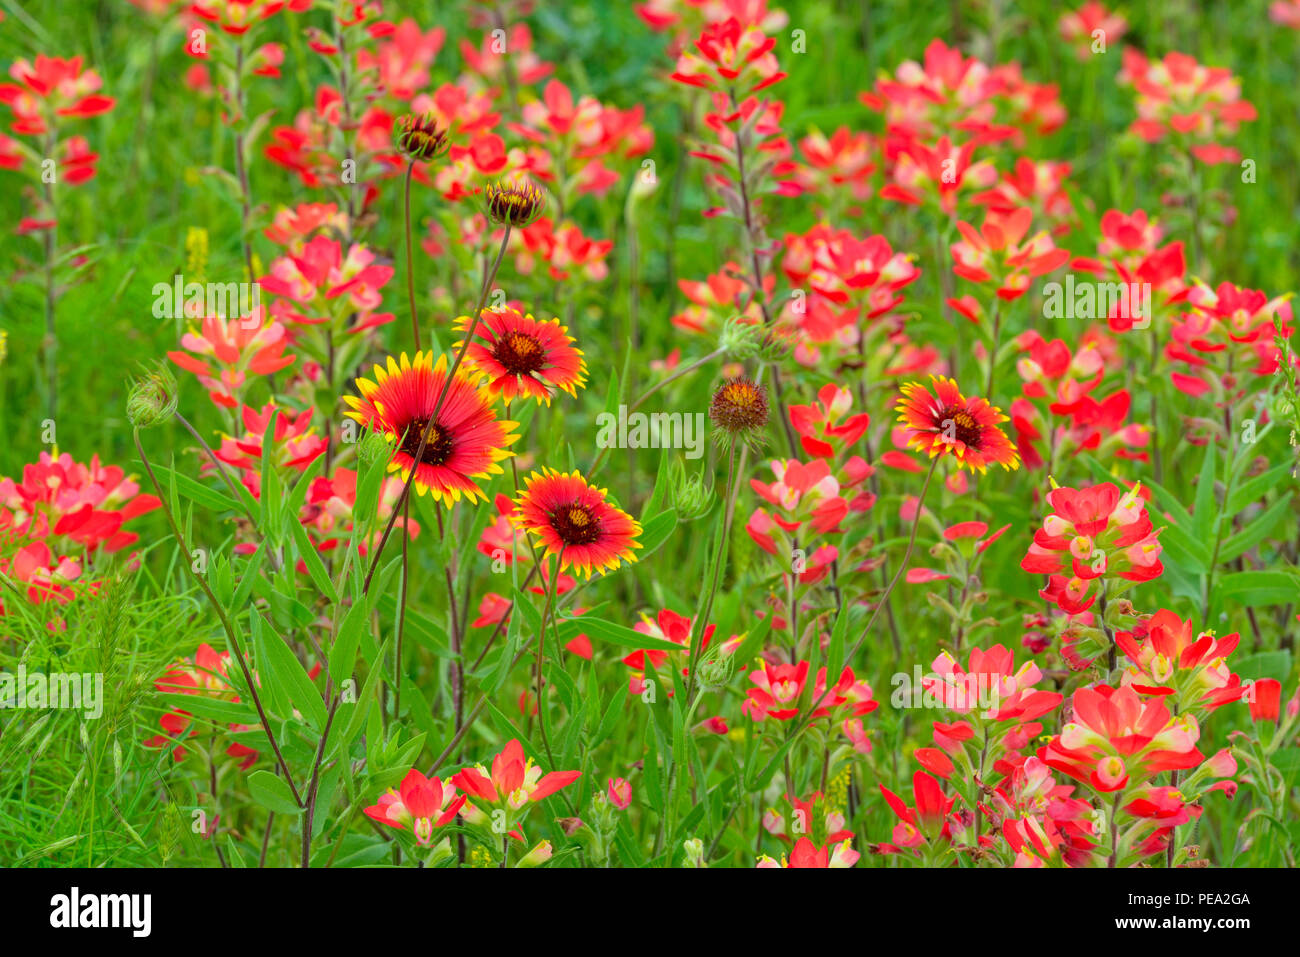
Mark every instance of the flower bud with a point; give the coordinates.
(741, 338)
(716, 672)
(151, 400)
(538, 856)
(620, 793)
(691, 498)
(694, 852)
(778, 342)
(374, 447)
(516, 204)
(421, 138)
(169, 832)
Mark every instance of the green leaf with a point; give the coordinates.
(270, 497)
(1184, 550)
(611, 716)
(765, 775)
(248, 578)
(613, 633)
(361, 710)
(274, 696)
(220, 710)
(1255, 531)
(311, 558)
(419, 626)
(615, 394)
(1170, 504)
(283, 668)
(753, 641)
(1255, 588)
(298, 494)
(196, 492)
(272, 793)
(232, 849)
(1265, 664)
(1250, 490)
(343, 656)
(653, 787)
(655, 532)
(663, 478)
(1204, 514)
(368, 486)
(839, 634)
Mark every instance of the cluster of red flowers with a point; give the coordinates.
(1093, 536)
(205, 676)
(45, 94)
(819, 332)
(1195, 105)
(502, 794)
(58, 521)
(1005, 805)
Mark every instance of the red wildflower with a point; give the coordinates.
(466, 441)
(947, 423)
(523, 356)
(577, 521)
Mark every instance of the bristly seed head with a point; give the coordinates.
(739, 410)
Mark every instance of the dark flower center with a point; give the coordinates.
(575, 524)
(436, 451)
(519, 353)
(964, 428)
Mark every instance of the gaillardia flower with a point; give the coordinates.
(467, 439)
(577, 521)
(521, 355)
(947, 423)
(516, 204)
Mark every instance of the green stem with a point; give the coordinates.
(541, 642)
(902, 567)
(442, 397)
(410, 259)
(226, 623)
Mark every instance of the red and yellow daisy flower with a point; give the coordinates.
(947, 423)
(577, 521)
(467, 440)
(521, 355)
